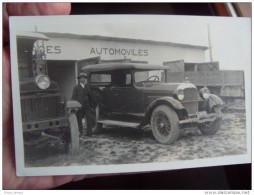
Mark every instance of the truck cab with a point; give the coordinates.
(44, 109)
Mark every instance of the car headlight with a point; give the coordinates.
(204, 93)
(180, 94)
(42, 81)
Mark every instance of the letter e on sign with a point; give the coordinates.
(49, 49)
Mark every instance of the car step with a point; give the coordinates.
(119, 123)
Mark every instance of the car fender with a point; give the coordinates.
(173, 103)
(214, 100)
(169, 100)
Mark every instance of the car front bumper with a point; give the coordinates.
(44, 124)
(200, 117)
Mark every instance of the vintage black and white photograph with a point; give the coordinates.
(126, 93)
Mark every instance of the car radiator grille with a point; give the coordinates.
(43, 107)
(190, 101)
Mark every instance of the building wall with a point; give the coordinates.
(66, 80)
(77, 49)
(62, 53)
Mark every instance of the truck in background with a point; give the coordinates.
(227, 84)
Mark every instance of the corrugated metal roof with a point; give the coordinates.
(97, 37)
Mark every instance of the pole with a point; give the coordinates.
(210, 44)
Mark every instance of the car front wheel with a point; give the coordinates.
(165, 124)
(210, 128)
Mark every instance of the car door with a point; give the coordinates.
(122, 97)
(99, 83)
(127, 100)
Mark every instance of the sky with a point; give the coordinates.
(230, 37)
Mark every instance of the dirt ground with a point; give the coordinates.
(126, 145)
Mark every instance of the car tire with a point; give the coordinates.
(165, 124)
(73, 144)
(211, 128)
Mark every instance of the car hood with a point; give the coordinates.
(152, 91)
(165, 87)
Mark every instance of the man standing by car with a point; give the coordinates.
(80, 94)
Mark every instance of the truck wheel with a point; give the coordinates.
(73, 144)
(210, 128)
(165, 124)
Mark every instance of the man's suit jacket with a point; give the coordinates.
(81, 95)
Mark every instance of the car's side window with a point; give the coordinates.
(115, 79)
(128, 79)
(100, 79)
(141, 76)
(121, 79)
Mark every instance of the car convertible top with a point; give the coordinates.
(122, 66)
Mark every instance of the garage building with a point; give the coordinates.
(67, 53)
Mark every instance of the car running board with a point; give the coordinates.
(119, 123)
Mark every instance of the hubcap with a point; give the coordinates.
(161, 125)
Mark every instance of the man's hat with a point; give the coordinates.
(81, 74)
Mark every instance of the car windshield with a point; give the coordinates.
(148, 76)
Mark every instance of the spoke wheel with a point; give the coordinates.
(210, 128)
(162, 123)
(165, 124)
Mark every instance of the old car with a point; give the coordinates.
(136, 95)
(44, 110)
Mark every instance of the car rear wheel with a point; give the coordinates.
(73, 144)
(165, 124)
(210, 128)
